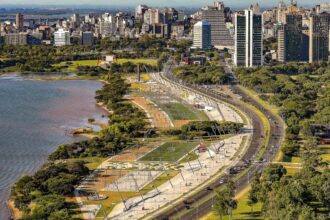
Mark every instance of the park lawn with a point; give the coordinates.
(170, 151)
(10, 69)
(91, 162)
(295, 160)
(140, 86)
(291, 170)
(152, 62)
(74, 64)
(179, 111)
(190, 157)
(163, 178)
(325, 148)
(113, 199)
(325, 157)
(145, 77)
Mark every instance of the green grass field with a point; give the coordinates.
(325, 149)
(72, 65)
(178, 111)
(170, 151)
(91, 162)
(152, 62)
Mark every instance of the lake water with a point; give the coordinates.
(35, 117)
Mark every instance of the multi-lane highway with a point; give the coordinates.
(201, 203)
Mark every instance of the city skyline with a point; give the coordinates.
(133, 3)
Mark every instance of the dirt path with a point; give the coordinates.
(158, 117)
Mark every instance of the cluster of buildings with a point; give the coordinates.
(85, 29)
(302, 35)
(241, 32)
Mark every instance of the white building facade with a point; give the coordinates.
(61, 38)
(202, 35)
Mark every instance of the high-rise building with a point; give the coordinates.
(139, 12)
(19, 21)
(16, 39)
(319, 37)
(281, 8)
(280, 33)
(325, 7)
(215, 16)
(61, 38)
(169, 15)
(86, 38)
(152, 16)
(292, 43)
(202, 35)
(107, 28)
(248, 39)
(240, 40)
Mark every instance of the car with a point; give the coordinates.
(222, 181)
(209, 188)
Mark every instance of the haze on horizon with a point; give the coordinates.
(133, 3)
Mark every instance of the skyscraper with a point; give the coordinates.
(281, 43)
(248, 39)
(240, 40)
(86, 38)
(292, 43)
(319, 37)
(139, 12)
(202, 35)
(19, 21)
(214, 15)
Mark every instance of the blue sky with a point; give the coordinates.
(132, 3)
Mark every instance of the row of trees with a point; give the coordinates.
(302, 91)
(205, 128)
(40, 58)
(207, 74)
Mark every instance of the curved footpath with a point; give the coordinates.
(204, 198)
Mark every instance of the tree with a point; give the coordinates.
(311, 155)
(253, 193)
(224, 201)
(60, 215)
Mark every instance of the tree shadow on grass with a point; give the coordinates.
(249, 215)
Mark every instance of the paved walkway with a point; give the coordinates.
(192, 175)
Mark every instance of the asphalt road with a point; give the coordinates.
(189, 209)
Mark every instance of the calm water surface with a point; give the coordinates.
(35, 117)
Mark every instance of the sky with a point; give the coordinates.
(133, 3)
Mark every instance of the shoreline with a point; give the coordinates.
(13, 211)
